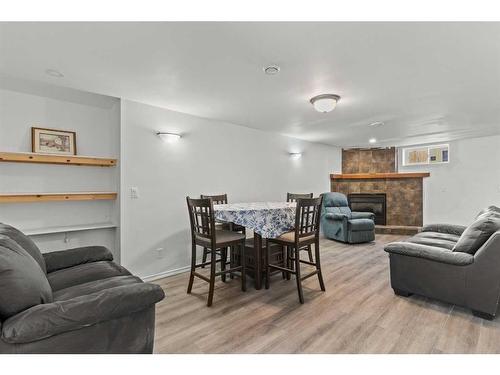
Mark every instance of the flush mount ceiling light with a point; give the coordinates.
(169, 137)
(325, 102)
(295, 155)
(372, 140)
(54, 73)
(271, 70)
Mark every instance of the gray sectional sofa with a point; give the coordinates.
(72, 301)
(452, 263)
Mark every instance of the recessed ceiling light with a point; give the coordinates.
(54, 73)
(376, 124)
(325, 102)
(372, 140)
(271, 70)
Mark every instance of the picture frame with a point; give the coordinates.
(53, 141)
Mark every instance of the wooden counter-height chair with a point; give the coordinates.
(306, 233)
(205, 234)
(292, 197)
(221, 199)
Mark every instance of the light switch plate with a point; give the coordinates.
(134, 192)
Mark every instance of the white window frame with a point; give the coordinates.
(405, 150)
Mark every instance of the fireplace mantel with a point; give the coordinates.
(377, 176)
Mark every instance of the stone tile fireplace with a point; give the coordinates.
(403, 192)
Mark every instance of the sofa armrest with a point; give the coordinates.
(433, 253)
(445, 228)
(57, 260)
(54, 318)
(335, 216)
(363, 215)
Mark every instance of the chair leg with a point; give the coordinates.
(193, 267)
(309, 251)
(268, 260)
(212, 278)
(318, 266)
(243, 267)
(204, 258)
(232, 263)
(289, 263)
(297, 275)
(283, 262)
(223, 261)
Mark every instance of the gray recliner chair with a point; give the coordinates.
(339, 223)
(72, 301)
(452, 263)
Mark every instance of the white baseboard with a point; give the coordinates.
(161, 275)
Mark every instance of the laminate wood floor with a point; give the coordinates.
(358, 313)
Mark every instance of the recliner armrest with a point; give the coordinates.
(46, 320)
(57, 260)
(445, 228)
(335, 216)
(363, 215)
(433, 253)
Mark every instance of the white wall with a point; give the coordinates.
(96, 120)
(211, 157)
(455, 192)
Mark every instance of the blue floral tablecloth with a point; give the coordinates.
(269, 219)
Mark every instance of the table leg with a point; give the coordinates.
(257, 247)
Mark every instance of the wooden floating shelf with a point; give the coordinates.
(28, 157)
(368, 176)
(68, 229)
(52, 197)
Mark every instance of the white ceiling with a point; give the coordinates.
(429, 82)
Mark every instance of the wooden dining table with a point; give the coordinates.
(265, 219)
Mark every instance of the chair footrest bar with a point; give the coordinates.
(202, 277)
(309, 275)
(236, 269)
(282, 268)
(307, 262)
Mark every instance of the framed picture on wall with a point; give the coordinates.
(53, 141)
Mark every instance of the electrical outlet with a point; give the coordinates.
(159, 252)
(134, 192)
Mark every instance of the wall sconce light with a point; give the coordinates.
(169, 137)
(295, 155)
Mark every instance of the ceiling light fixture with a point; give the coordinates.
(169, 137)
(372, 140)
(272, 70)
(325, 102)
(376, 124)
(295, 155)
(54, 73)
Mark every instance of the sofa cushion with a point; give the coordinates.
(440, 236)
(494, 210)
(84, 273)
(94, 287)
(478, 233)
(25, 242)
(359, 225)
(23, 283)
(435, 242)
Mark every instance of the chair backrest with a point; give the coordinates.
(336, 203)
(201, 217)
(292, 197)
(216, 199)
(307, 216)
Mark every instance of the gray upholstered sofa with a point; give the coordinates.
(452, 263)
(339, 223)
(72, 301)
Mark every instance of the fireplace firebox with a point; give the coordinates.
(375, 203)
